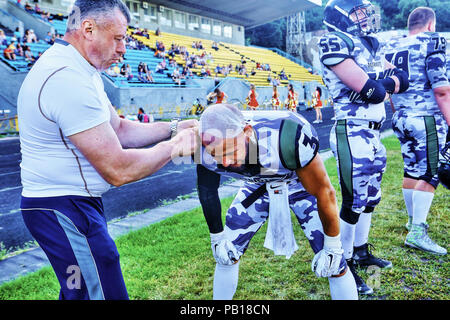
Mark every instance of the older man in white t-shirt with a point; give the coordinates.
(74, 146)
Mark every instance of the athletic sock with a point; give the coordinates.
(344, 287)
(347, 238)
(408, 197)
(422, 202)
(225, 281)
(362, 229)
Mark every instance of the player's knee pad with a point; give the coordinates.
(349, 216)
(369, 209)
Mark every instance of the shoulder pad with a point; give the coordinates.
(335, 47)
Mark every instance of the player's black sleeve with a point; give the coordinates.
(208, 185)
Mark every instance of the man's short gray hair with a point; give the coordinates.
(419, 17)
(95, 9)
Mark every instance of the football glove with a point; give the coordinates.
(223, 249)
(327, 261)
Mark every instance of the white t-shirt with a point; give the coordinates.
(62, 95)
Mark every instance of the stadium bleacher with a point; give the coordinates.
(233, 54)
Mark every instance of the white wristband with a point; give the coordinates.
(216, 236)
(332, 242)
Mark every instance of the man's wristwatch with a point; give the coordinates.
(174, 127)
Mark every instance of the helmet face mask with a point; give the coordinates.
(357, 17)
(366, 18)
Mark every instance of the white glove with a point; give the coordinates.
(223, 249)
(326, 262)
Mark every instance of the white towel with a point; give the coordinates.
(280, 235)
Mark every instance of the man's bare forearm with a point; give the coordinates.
(134, 134)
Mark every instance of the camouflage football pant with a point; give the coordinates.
(421, 139)
(242, 223)
(361, 162)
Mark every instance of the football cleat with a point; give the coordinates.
(418, 238)
(362, 287)
(364, 257)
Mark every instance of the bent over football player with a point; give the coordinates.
(275, 153)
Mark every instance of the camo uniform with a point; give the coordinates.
(286, 141)
(355, 136)
(418, 121)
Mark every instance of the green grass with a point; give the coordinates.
(172, 259)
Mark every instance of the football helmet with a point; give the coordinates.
(356, 17)
(444, 166)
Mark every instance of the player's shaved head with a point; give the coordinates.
(420, 17)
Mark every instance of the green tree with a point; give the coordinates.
(270, 35)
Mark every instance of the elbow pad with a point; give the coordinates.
(373, 92)
(403, 78)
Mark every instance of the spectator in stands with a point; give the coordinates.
(190, 62)
(18, 50)
(269, 78)
(37, 9)
(47, 17)
(8, 53)
(200, 45)
(145, 33)
(113, 70)
(276, 81)
(30, 36)
(28, 8)
(253, 72)
(142, 76)
(160, 67)
(125, 71)
(17, 34)
(158, 32)
(171, 52)
(28, 54)
(176, 76)
(283, 75)
(215, 46)
(208, 71)
(203, 72)
(49, 38)
(148, 73)
(3, 40)
(187, 73)
(159, 54)
(172, 63)
(243, 71)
